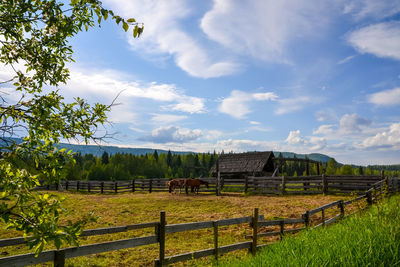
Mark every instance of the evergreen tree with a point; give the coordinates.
(155, 154)
(169, 158)
(104, 158)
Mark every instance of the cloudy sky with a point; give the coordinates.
(300, 75)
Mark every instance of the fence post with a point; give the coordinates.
(323, 217)
(255, 230)
(66, 185)
(246, 183)
(306, 217)
(133, 185)
(116, 187)
(369, 197)
(282, 229)
(324, 184)
(88, 187)
(150, 185)
(218, 182)
(387, 188)
(161, 239)
(57, 184)
(102, 187)
(59, 258)
(215, 226)
(77, 185)
(283, 185)
(341, 207)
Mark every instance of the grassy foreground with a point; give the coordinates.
(369, 239)
(130, 208)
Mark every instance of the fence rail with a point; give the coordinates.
(161, 228)
(327, 184)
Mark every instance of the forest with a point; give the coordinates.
(122, 166)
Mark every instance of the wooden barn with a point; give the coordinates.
(245, 164)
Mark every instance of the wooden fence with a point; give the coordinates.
(161, 229)
(318, 184)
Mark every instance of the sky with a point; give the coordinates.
(304, 76)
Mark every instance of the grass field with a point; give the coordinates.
(368, 239)
(133, 208)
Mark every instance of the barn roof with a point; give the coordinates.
(243, 162)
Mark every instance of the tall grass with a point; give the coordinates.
(368, 239)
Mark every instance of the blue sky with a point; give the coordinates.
(302, 76)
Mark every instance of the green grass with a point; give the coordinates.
(130, 208)
(368, 239)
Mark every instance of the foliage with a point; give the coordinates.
(34, 46)
(127, 166)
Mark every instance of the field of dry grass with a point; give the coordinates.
(131, 208)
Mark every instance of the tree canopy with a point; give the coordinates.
(34, 50)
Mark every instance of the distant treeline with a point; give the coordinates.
(332, 167)
(122, 166)
(127, 166)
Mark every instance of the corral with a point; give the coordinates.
(125, 209)
(188, 238)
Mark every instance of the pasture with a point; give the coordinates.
(131, 208)
(370, 238)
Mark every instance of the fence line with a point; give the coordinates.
(321, 184)
(161, 228)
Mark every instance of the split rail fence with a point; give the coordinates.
(161, 229)
(317, 184)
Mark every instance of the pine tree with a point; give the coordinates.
(104, 158)
(155, 154)
(169, 158)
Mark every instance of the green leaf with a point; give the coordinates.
(135, 31)
(131, 20)
(125, 26)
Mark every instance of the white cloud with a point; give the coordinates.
(104, 85)
(263, 28)
(346, 59)
(288, 105)
(237, 104)
(326, 115)
(213, 134)
(385, 98)
(167, 118)
(317, 143)
(386, 139)
(164, 35)
(380, 39)
(377, 9)
(172, 134)
(265, 96)
(190, 105)
(352, 123)
(326, 129)
(294, 138)
(244, 145)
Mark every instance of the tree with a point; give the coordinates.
(169, 158)
(104, 158)
(155, 154)
(34, 47)
(332, 167)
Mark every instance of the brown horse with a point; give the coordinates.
(194, 185)
(174, 184)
